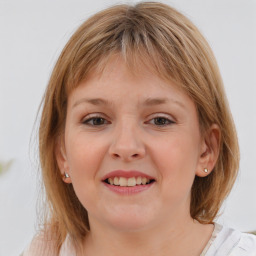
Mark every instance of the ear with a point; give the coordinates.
(60, 154)
(210, 148)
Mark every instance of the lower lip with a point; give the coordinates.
(128, 190)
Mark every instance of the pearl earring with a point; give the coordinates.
(205, 170)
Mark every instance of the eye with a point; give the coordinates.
(161, 121)
(95, 121)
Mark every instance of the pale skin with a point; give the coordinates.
(121, 121)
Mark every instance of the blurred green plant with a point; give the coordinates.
(4, 166)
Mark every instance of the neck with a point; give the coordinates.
(175, 238)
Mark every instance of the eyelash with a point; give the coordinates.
(94, 118)
(165, 119)
(86, 121)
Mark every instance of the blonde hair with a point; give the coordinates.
(172, 46)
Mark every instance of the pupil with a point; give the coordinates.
(98, 121)
(160, 120)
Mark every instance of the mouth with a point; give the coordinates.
(129, 182)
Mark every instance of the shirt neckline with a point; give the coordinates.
(216, 231)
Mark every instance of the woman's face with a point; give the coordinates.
(140, 133)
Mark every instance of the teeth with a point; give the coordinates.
(116, 181)
(123, 182)
(131, 182)
(144, 180)
(128, 182)
(138, 180)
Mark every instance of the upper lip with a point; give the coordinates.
(126, 174)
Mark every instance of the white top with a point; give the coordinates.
(229, 242)
(224, 242)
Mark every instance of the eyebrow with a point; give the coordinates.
(160, 101)
(155, 101)
(148, 102)
(96, 101)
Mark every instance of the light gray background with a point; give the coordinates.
(32, 34)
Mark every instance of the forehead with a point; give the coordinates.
(119, 82)
(135, 66)
(137, 62)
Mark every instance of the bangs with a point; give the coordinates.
(135, 50)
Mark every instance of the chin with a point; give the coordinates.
(128, 219)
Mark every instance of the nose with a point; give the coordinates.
(127, 144)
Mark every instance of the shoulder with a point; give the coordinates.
(40, 246)
(230, 242)
(247, 243)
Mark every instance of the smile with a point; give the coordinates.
(128, 182)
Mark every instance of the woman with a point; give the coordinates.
(138, 148)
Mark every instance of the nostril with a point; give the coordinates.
(133, 156)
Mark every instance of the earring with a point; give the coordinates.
(65, 176)
(205, 170)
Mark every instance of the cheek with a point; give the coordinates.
(84, 158)
(177, 159)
